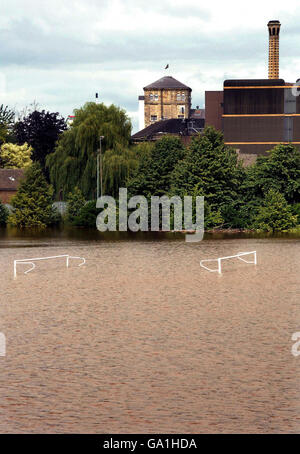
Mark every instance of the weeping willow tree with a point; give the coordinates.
(74, 162)
(120, 164)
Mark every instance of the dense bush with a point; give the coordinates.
(14, 156)
(154, 172)
(296, 211)
(87, 215)
(234, 195)
(210, 168)
(279, 170)
(3, 214)
(75, 202)
(275, 214)
(33, 201)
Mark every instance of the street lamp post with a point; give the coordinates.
(99, 169)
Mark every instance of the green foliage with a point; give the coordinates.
(154, 172)
(3, 214)
(87, 215)
(275, 214)
(40, 130)
(75, 202)
(118, 166)
(240, 213)
(33, 201)
(211, 169)
(6, 122)
(15, 156)
(234, 196)
(296, 211)
(143, 149)
(212, 217)
(74, 161)
(280, 170)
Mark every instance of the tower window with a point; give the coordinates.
(151, 97)
(153, 118)
(180, 97)
(155, 97)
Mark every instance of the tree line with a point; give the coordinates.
(60, 163)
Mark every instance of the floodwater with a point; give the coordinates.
(143, 340)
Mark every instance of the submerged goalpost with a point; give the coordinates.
(219, 260)
(31, 262)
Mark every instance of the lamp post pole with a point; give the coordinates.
(99, 169)
(98, 175)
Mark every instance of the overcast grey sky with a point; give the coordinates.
(61, 52)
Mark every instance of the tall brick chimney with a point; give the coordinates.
(274, 30)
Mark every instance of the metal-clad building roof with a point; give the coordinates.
(253, 82)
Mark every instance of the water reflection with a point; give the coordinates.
(12, 237)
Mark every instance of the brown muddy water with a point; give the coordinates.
(143, 340)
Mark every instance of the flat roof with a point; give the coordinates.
(253, 82)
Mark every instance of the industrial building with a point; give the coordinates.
(253, 114)
(259, 114)
(256, 114)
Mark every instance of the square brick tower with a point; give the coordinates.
(274, 30)
(166, 98)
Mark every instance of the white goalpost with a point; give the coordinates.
(31, 262)
(219, 261)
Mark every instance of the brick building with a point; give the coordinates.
(274, 30)
(9, 183)
(214, 106)
(166, 98)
